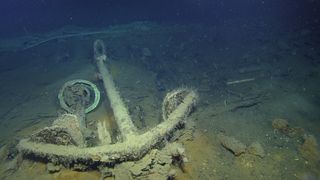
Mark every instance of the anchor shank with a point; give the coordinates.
(120, 111)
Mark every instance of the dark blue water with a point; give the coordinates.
(21, 17)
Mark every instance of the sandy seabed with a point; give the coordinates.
(148, 60)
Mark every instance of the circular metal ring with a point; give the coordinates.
(96, 91)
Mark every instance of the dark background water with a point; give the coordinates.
(20, 17)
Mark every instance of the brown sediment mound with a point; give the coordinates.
(283, 126)
(309, 149)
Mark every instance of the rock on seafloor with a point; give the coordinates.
(232, 144)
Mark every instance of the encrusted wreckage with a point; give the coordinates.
(65, 141)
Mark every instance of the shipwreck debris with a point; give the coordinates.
(240, 81)
(78, 93)
(63, 142)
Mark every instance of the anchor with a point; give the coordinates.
(64, 141)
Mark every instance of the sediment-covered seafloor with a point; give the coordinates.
(258, 113)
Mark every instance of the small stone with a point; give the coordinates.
(232, 144)
(51, 168)
(256, 149)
